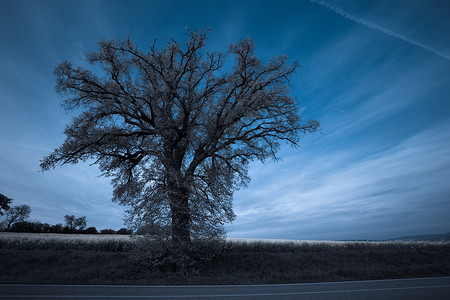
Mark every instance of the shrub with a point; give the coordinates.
(37, 227)
(107, 231)
(25, 226)
(68, 230)
(58, 228)
(90, 230)
(124, 231)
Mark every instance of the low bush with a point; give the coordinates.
(90, 230)
(158, 254)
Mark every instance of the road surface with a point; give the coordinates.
(419, 288)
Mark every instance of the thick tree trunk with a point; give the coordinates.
(181, 225)
(181, 232)
(179, 204)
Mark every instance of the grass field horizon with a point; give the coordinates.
(112, 259)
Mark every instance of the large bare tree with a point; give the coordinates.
(174, 131)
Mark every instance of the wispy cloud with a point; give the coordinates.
(346, 13)
(356, 82)
(363, 178)
(402, 190)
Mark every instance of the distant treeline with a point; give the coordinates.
(38, 227)
(13, 219)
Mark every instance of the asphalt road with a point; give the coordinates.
(420, 288)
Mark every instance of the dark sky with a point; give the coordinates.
(376, 74)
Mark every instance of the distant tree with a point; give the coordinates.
(4, 204)
(70, 221)
(17, 214)
(80, 223)
(174, 131)
(107, 231)
(73, 223)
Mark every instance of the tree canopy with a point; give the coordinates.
(4, 203)
(175, 131)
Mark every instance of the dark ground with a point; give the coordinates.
(227, 263)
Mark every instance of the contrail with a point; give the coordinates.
(342, 12)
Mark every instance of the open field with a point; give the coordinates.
(110, 259)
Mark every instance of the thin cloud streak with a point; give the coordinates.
(378, 90)
(346, 14)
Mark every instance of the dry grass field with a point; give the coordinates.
(112, 259)
(58, 241)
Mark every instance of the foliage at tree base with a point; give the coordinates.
(161, 255)
(139, 262)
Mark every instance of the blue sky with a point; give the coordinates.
(376, 74)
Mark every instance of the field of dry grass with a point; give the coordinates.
(58, 241)
(110, 259)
